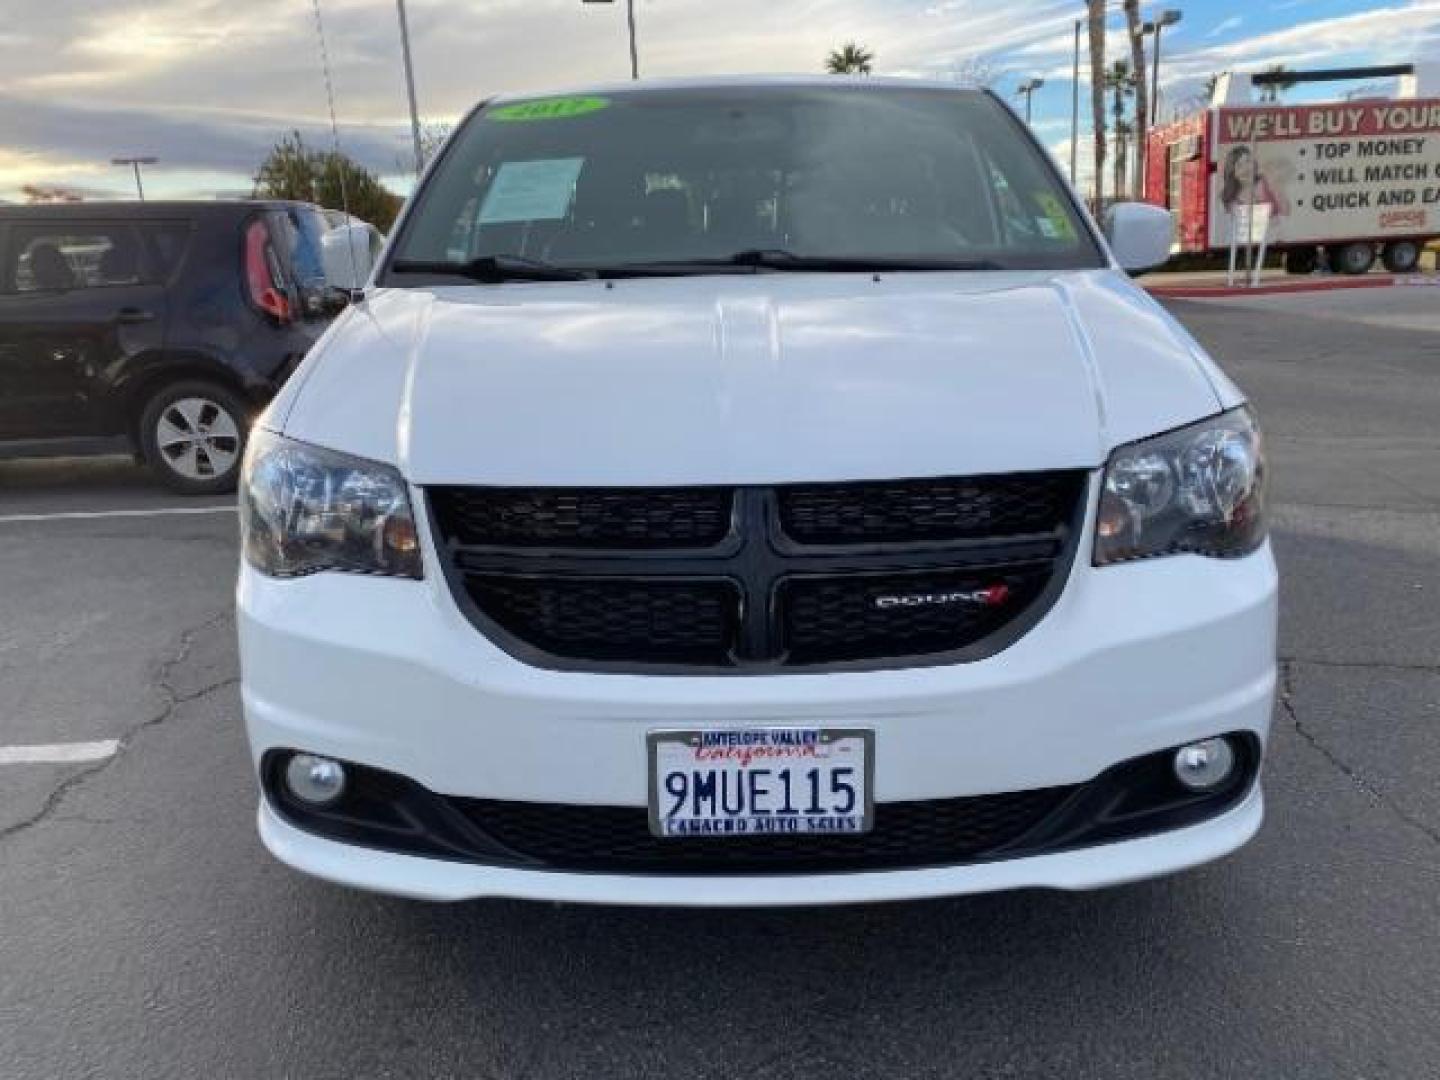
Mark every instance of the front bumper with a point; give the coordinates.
(1088, 868)
(1131, 659)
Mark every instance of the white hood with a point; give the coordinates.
(749, 379)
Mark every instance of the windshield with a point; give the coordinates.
(671, 177)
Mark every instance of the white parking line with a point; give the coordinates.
(59, 753)
(90, 515)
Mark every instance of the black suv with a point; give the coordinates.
(157, 328)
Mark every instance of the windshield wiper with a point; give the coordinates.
(492, 269)
(782, 260)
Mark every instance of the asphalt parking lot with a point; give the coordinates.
(145, 933)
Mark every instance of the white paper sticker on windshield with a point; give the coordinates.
(531, 191)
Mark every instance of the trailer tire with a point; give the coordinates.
(1401, 256)
(1356, 258)
(1301, 260)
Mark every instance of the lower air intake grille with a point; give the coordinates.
(390, 812)
(936, 832)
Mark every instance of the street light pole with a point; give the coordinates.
(634, 56)
(1155, 81)
(135, 163)
(410, 88)
(1028, 88)
(1168, 17)
(630, 23)
(1075, 105)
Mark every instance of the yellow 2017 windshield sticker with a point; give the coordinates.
(560, 108)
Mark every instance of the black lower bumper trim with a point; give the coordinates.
(1139, 797)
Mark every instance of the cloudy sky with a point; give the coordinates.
(208, 85)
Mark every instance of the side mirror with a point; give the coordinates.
(345, 256)
(1140, 235)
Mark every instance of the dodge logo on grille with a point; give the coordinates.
(990, 596)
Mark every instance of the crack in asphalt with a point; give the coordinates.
(1350, 772)
(172, 701)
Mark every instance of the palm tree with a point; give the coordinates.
(1120, 82)
(1142, 91)
(851, 59)
(1271, 92)
(1095, 16)
(1124, 129)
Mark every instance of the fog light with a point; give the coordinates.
(314, 780)
(1204, 765)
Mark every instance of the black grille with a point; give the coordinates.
(851, 618)
(935, 832)
(740, 580)
(674, 621)
(907, 511)
(585, 517)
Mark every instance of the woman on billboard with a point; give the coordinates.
(1255, 206)
(1246, 185)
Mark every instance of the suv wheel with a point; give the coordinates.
(193, 435)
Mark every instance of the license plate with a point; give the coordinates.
(761, 782)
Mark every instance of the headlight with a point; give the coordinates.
(304, 509)
(1200, 489)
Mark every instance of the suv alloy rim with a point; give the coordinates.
(198, 438)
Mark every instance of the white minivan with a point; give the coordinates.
(764, 491)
